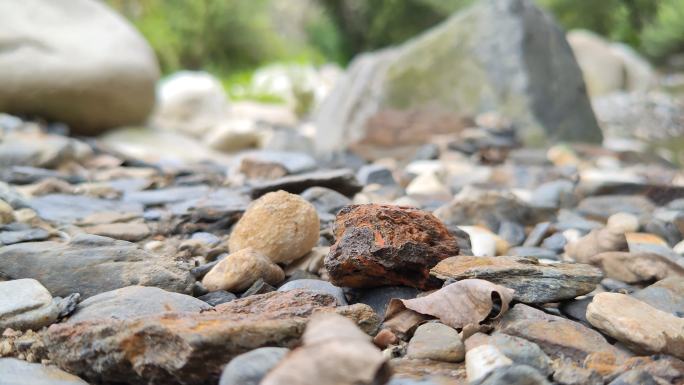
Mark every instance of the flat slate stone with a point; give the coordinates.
(12, 237)
(666, 295)
(249, 368)
(316, 285)
(70, 208)
(91, 264)
(165, 195)
(26, 304)
(343, 181)
(533, 282)
(135, 301)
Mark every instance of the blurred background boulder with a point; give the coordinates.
(77, 62)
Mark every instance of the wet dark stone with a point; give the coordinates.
(258, 287)
(325, 200)
(537, 234)
(375, 174)
(378, 298)
(555, 242)
(576, 309)
(343, 181)
(536, 252)
(616, 286)
(217, 297)
(512, 232)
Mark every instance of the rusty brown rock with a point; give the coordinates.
(184, 348)
(379, 245)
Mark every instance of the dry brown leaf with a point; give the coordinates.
(335, 352)
(465, 302)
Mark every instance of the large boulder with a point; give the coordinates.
(504, 55)
(76, 62)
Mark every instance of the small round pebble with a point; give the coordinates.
(280, 225)
(316, 285)
(6, 213)
(239, 270)
(436, 341)
(623, 222)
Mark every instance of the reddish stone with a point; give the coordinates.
(188, 348)
(378, 245)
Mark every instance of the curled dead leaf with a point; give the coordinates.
(466, 302)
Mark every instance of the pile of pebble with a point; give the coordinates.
(474, 262)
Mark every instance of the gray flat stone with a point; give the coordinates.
(316, 285)
(342, 180)
(91, 264)
(26, 304)
(134, 301)
(12, 237)
(17, 372)
(436, 341)
(165, 195)
(533, 282)
(70, 208)
(249, 368)
(666, 295)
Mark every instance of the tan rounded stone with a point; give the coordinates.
(6, 213)
(239, 270)
(280, 225)
(623, 222)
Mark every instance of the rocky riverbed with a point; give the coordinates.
(473, 261)
(431, 220)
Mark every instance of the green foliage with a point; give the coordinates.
(227, 34)
(232, 36)
(237, 86)
(654, 27)
(367, 25)
(665, 33)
